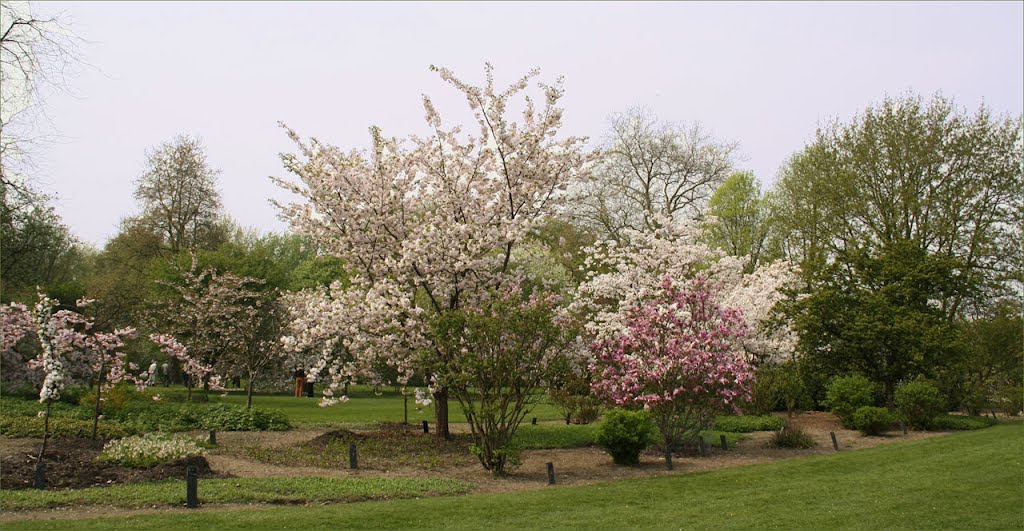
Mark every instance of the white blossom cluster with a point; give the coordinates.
(428, 224)
(150, 449)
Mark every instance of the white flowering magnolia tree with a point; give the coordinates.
(429, 225)
(624, 276)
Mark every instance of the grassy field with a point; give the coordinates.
(236, 490)
(967, 480)
(364, 406)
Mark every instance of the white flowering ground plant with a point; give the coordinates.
(150, 449)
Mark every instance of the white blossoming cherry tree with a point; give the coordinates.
(429, 225)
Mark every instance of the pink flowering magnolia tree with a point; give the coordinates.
(429, 225)
(623, 276)
(679, 356)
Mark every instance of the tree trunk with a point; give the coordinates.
(99, 393)
(248, 394)
(46, 431)
(441, 412)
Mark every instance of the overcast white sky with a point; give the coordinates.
(762, 74)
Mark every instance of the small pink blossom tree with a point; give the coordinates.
(70, 348)
(679, 356)
(211, 317)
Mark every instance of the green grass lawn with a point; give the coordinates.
(543, 436)
(237, 490)
(972, 480)
(364, 406)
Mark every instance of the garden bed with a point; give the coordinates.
(71, 464)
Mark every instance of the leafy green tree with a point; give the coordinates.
(875, 315)
(910, 170)
(993, 361)
(743, 220)
(38, 249)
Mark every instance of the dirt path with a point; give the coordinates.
(579, 466)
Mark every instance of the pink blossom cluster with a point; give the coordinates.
(67, 340)
(195, 368)
(626, 275)
(678, 355)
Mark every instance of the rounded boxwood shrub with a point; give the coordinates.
(918, 402)
(624, 434)
(872, 420)
(846, 394)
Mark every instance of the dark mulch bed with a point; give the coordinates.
(72, 464)
(392, 444)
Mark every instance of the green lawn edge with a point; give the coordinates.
(282, 490)
(972, 480)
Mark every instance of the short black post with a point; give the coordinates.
(703, 449)
(426, 427)
(192, 487)
(903, 428)
(213, 437)
(40, 479)
(668, 459)
(353, 461)
(551, 473)
(835, 444)
(534, 421)
(725, 445)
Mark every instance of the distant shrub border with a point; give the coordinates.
(961, 422)
(748, 423)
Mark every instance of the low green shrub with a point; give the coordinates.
(918, 402)
(60, 427)
(961, 422)
(847, 394)
(624, 434)
(872, 420)
(748, 423)
(778, 388)
(576, 409)
(114, 399)
(150, 450)
(230, 417)
(791, 436)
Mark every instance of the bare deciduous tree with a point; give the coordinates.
(179, 194)
(652, 169)
(35, 52)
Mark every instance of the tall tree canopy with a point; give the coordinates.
(910, 170)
